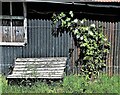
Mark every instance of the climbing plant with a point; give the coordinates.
(90, 39)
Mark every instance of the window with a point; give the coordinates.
(13, 30)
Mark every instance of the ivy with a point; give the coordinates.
(90, 39)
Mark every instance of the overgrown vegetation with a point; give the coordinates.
(70, 84)
(90, 39)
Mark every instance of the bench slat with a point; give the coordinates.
(56, 59)
(35, 76)
(39, 66)
(38, 74)
(38, 69)
(52, 71)
(38, 62)
(52, 77)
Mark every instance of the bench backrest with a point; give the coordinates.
(50, 67)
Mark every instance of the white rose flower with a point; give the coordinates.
(82, 22)
(81, 38)
(105, 39)
(78, 36)
(75, 31)
(92, 25)
(75, 20)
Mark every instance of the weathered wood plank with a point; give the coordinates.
(39, 66)
(42, 71)
(56, 59)
(40, 62)
(38, 73)
(43, 77)
(52, 71)
(60, 68)
(11, 17)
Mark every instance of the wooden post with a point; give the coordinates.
(79, 66)
(1, 32)
(1, 41)
(25, 21)
(11, 21)
(110, 55)
(1, 22)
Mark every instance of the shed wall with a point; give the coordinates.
(41, 43)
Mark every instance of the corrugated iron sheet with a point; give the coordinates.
(41, 43)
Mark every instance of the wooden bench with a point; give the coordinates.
(45, 68)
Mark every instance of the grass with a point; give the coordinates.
(70, 84)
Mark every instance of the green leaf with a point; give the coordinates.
(83, 44)
(59, 17)
(68, 24)
(90, 33)
(86, 28)
(86, 58)
(63, 23)
(68, 19)
(62, 14)
(76, 31)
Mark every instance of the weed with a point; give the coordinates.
(71, 84)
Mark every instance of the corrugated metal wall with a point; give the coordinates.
(41, 43)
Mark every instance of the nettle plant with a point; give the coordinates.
(90, 39)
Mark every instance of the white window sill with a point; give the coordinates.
(12, 43)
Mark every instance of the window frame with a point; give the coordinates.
(24, 18)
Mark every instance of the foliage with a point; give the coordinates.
(3, 83)
(71, 84)
(90, 39)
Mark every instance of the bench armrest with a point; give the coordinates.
(10, 69)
